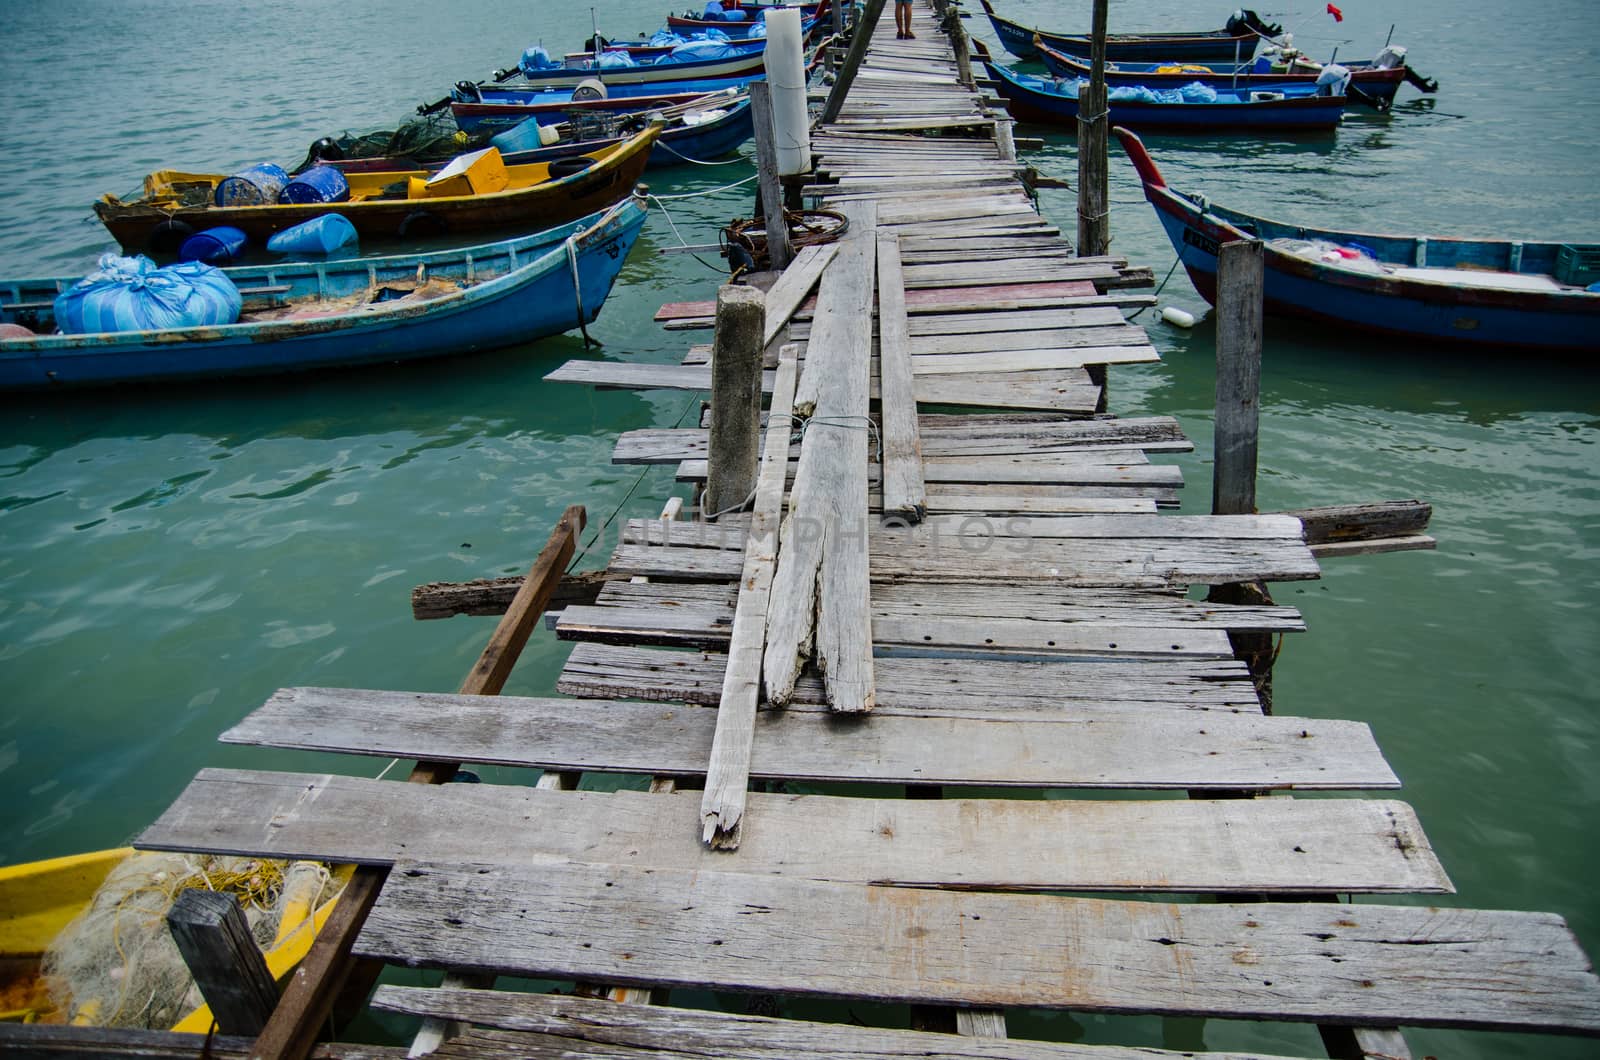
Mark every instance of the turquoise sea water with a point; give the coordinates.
(170, 556)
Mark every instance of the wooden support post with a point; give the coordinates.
(949, 16)
(859, 42)
(215, 941)
(1238, 420)
(734, 456)
(1239, 309)
(1094, 228)
(1005, 138)
(309, 997)
(779, 252)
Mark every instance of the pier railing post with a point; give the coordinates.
(734, 456)
(1240, 287)
(779, 252)
(215, 941)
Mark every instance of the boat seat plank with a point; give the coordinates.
(1238, 846)
(1325, 963)
(1220, 751)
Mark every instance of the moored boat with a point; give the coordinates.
(1374, 82)
(1235, 42)
(41, 900)
(617, 69)
(710, 127)
(386, 205)
(344, 312)
(1463, 291)
(499, 111)
(1288, 108)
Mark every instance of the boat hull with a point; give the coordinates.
(1217, 46)
(535, 297)
(1302, 113)
(1556, 321)
(1380, 84)
(747, 64)
(139, 227)
(499, 112)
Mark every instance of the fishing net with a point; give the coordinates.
(116, 964)
(432, 138)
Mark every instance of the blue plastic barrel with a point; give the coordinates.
(320, 235)
(317, 184)
(214, 246)
(257, 186)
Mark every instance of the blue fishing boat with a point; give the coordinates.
(1235, 42)
(615, 70)
(1543, 296)
(307, 315)
(1288, 108)
(500, 109)
(1373, 82)
(742, 19)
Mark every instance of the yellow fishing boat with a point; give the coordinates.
(41, 900)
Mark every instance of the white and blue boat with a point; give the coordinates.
(305, 315)
(1465, 292)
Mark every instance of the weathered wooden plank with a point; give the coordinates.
(819, 602)
(1104, 750)
(794, 286)
(905, 494)
(700, 615)
(1363, 522)
(728, 773)
(1064, 687)
(1240, 846)
(640, 376)
(1043, 339)
(658, 1033)
(1032, 360)
(1352, 964)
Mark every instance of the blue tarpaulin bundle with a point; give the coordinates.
(536, 59)
(699, 50)
(131, 294)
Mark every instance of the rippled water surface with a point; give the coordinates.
(169, 556)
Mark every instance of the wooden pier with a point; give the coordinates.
(978, 595)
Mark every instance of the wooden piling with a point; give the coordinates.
(735, 445)
(1239, 309)
(1094, 228)
(779, 251)
(215, 941)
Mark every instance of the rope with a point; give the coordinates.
(699, 162)
(1175, 262)
(693, 401)
(577, 288)
(682, 242)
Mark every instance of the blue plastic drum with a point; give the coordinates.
(257, 186)
(214, 246)
(319, 184)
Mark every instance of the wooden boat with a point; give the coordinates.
(383, 205)
(552, 108)
(1462, 291)
(745, 63)
(640, 51)
(38, 899)
(709, 128)
(345, 312)
(1370, 83)
(689, 22)
(1236, 42)
(1286, 108)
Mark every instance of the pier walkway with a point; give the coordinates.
(1021, 620)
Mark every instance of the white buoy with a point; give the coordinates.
(786, 73)
(1177, 317)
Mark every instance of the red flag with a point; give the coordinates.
(1338, 16)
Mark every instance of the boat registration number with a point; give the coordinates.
(1195, 239)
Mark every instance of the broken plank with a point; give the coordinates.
(905, 495)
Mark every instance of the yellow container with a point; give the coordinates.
(478, 173)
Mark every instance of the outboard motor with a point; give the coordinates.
(1244, 21)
